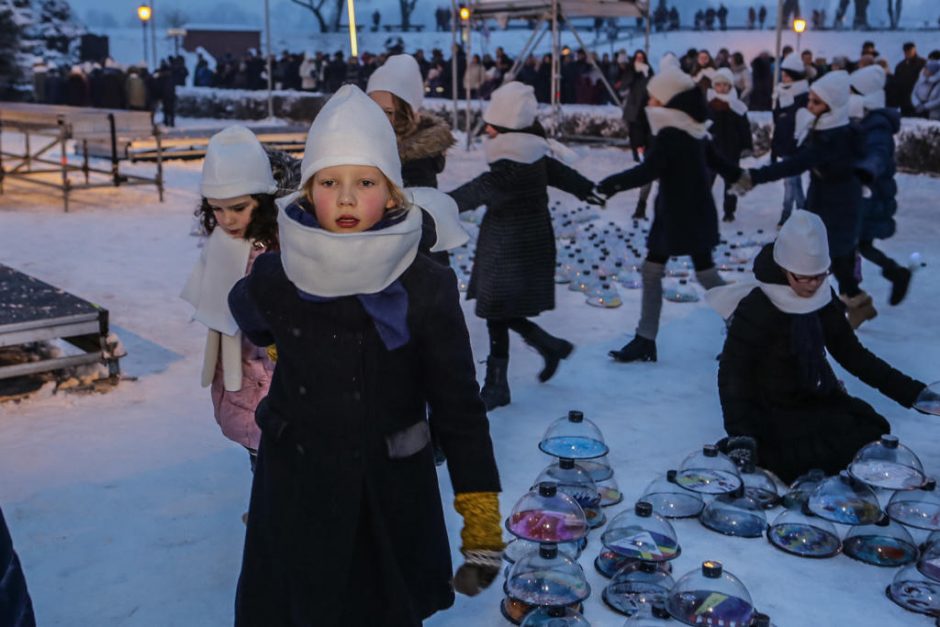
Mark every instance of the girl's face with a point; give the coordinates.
(816, 105)
(350, 198)
(721, 88)
(805, 286)
(386, 100)
(233, 215)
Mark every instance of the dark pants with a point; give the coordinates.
(843, 267)
(700, 261)
(499, 333)
(872, 254)
(16, 608)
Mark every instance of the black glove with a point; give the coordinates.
(594, 199)
(742, 449)
(477, 572)
(608, 187)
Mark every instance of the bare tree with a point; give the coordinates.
(315, 7)
(407, 8)
(894, 13)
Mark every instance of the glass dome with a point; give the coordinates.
(547, 577)
(915, 592)
(655, 617)
(708, 472)
(760, 486)
(801, 489)
(917, 508)
(575, 437)
(640, 534)
(929, 562)
(928, 401)
(517, 548)
(554, 617)
(576, 483)
(671, 500)
(885, 543)
(735, 514)
(608, 563)
(516, 611)
(632, 588)
(599, 468)
(800, 533)
(710, 596)
(547, 515)
(845, 500)
(609, 491)
(888, 464)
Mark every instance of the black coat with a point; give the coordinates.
(345, 524)
(16, 609)
(514, 269)
(877, 171)
(906, 74)
(783, 143)
(763, 394)
(835, 192)
(731, 133)
(686, 221)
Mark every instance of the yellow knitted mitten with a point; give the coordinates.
(482, 541)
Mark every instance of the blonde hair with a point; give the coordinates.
(394, 192)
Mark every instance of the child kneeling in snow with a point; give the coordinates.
(346, 525)
(775, 383)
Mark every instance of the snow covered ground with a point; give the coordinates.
(125, 507)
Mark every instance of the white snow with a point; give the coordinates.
(125, 507)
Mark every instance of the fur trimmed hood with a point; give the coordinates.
(430, 138)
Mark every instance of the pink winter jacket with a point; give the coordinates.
(235, 411)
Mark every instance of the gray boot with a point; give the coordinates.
(495, 392)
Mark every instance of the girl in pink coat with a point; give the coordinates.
(239, 215)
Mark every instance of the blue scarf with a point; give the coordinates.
(388, 308)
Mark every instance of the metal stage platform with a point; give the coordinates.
(49, 127)
(34, 311)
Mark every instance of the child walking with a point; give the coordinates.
(346, 525)
(238, 213)
(730, 130)
(681, 157)
(513, 274)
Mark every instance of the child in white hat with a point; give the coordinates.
(346, 525)
(513, 273)
(239, 215)
(791, 95)
(731, 129)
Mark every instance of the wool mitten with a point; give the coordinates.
(482, 541)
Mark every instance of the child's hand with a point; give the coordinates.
(608, 187)
(482, 537)
(478, 572)
(743, 185)
(596, 200)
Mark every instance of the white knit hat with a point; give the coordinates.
(868, 79)
(723, 75)
(802, 246)
(401, 76)
(669, 60)
(236, 165)
(793, 63)
(351, 129)
(670, 82)
(512, 106)
(833, 89)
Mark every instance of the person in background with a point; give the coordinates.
(926, 96)
(633, 87)
(730, 130)
(791, 96)
(906, 74)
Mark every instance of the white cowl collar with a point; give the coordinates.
(525, 148)
(332, 265)
(806, 122)
(665, 117)
(731, 98)
(725, 299)
(787, 92)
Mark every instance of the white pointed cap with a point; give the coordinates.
(833, 89)
(236, 165)
(512, 106)
(400, 75)
(802, 246)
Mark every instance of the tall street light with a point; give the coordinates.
(144, 14)
(799, 25)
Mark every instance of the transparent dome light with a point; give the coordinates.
(554, 617)
(671, 500)
(681, 292)
(632, 589)
(609, 491)
(915, 592)
(928, 401)
(760, 486)
(604, 295)
(844, 500)
(803, 534)
(917, 508)
(735, 514)
(885, 543)
(888, 464)
(710, 596)
(802, 488)
(599, 468)
(547, 515)
(547, 578)
(929, 562)
(655, 616)
(574, 437)
(516, 611)
(641, 534)
(708, 472)
(517, 548)
(576, 483)
(631, 278)
(608, 563)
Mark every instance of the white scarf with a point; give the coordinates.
(223, 262)
(860, 105)
(664, 117)
(331, 265)
(641, 68)
(725, 299)
(806, 122)
(731, 98)
(525, 148)
(786, 93)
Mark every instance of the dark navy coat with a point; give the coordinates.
(835, 191)
(16, 609)
(345, 525)
(783, 143)
(877, 170)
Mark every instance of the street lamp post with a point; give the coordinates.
(144, 14)
(799, 25)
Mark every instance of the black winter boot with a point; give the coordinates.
(552, 349)
(731, 205)
(637, 349)
(495, 392)
(900, 278)
(640, 212)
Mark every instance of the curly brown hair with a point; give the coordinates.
(405, 121)
(263, 226)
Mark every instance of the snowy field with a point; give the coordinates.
(126, 507)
